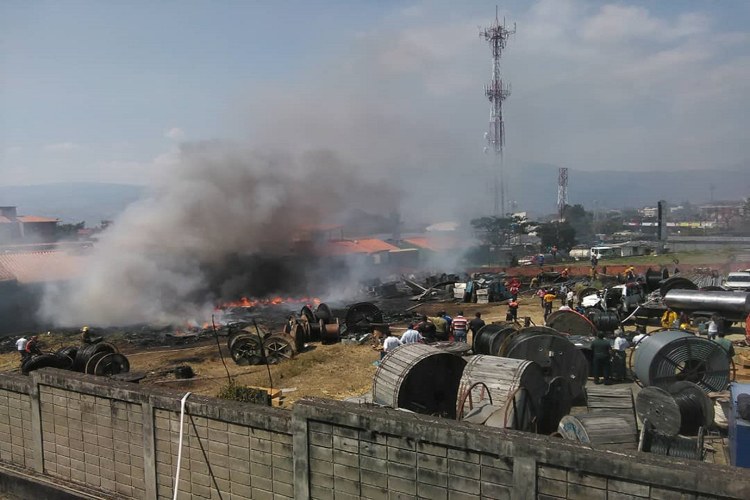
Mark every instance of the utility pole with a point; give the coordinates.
(497, 36)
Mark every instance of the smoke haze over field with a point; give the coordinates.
(191, 242)
(105, 93)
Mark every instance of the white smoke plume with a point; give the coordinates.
(172, 255)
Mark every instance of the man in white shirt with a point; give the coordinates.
(21, 347)
(389, 344)
(411, 336)
(639, 339)
(569, 298)
(619, 370)
(621, 343)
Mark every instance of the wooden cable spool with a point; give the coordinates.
(516, 387)
(571, 322)
(597, 429)
(682, 408)
(420, 378)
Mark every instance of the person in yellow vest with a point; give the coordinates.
(548, 298)
(668, 318)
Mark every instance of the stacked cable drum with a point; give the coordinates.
(419, 378)
(490, 337)
(553, 352)
(514, 387)
(673, 356)
(682, 408)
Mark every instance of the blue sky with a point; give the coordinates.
(106, 91)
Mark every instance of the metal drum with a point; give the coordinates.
(551, 350)
(490, 337)
(420, 378)
(673, 355)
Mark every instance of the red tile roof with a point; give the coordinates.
(34, 218)
(41, 267)
(368, 245)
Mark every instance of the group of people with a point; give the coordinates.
(441, 327)
(28, 347)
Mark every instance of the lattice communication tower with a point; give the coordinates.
(562, 191)
(497, 36)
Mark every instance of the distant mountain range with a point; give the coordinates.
(72, 202)
(534, 187)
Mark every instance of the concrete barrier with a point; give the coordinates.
(121, 439)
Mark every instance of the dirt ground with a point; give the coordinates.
(337, 371)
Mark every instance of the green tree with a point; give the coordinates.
(69, 231)
(560, 234)
(494, 230)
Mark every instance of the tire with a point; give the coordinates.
(45, 361)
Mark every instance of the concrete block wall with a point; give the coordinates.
(119, 439)
(16, 443)
(344, 450)
(221, 458)
(93, 440)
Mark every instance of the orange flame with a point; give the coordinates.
(268, 301)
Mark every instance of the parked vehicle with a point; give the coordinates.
(738, 281)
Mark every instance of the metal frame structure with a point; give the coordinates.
(562, 191)
(496, 91)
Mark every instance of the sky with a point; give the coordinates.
(108, 91)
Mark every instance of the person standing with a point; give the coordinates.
(668, 318)
(726, 344)
(513, 291)
(602, 352)
(563, 295)
(475, 325)
(459, 326)
(21, 347)
(569, 298)
(548, 298)
(441, 326)
(513, 310)
(619, 355)
(411, 336)
(390, 342)
(713, 327)
(426, 329)
(640, 338)
(32, 346)
(541, 293)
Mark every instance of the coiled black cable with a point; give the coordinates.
(692, 416)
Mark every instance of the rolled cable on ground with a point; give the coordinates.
(179, 447)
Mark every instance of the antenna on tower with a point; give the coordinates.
(562, 191)
(497, 36)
